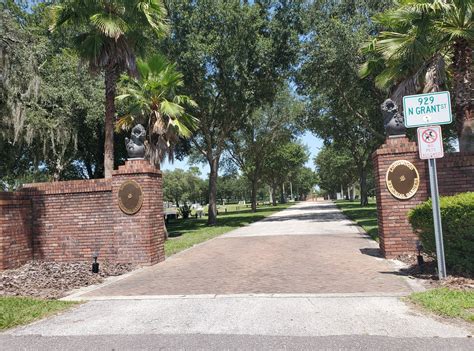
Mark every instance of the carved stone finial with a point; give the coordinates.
(136, 145)
(393, 120)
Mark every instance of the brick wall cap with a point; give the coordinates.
(137, 167)
(67, 187)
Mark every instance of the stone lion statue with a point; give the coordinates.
(136, 144)
(393, 120)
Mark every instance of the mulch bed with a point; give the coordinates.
(53, 280)
(429, 273)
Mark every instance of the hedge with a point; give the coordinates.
(457, 215)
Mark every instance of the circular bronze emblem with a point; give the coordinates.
(402, 179)
(130, 197)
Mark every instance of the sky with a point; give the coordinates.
(313, 143)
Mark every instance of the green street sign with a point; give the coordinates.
(427, 109)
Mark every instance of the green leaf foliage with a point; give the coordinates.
(152, 99)
(181, 186)
(457, 213)
(234, 56)
(52, 108)
(110, 33)
(425, 46)
(283, 163)
(335, 168)
(342, 109)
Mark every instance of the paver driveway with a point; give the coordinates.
(308, 248)
(279, 283)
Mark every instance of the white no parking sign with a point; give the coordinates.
(430, 142)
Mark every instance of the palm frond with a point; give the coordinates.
(90, 45)
(181, 128)
(155, 14)
(171, 109)
(111, 25)
(143, 69)
(122, 97)
(157, 63)
(372, 66)
(185, 100)
(387, 78)
(427, 6)
(125, 123)
(456, 29)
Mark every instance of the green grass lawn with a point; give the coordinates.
(365, 216)
(183, 234)
(447, 302)
(15, 311)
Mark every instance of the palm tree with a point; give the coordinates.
(152, 99)
(111, 33)
(422, 38)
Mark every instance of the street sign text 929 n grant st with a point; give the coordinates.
(427, 109)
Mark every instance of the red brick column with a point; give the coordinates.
(16, 243)
(395, 232)
(139, 238)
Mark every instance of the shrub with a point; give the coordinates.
(457, 215)
(185, 211)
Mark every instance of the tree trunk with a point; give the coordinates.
(462, 84)
(364, 200)
(282, 194)
(212, 211)
(274, 197)
(253, 195)
(90, 173)
(58, 169)
(110, 89)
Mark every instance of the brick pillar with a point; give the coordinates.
(139, 238)
(16, 242)
(395, 232)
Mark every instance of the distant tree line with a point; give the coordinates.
(222, 82)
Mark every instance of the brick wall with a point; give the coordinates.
(70, 221)
(455, 174)
(16, 247)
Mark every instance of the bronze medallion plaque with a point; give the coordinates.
(402, 179)
(130, 197)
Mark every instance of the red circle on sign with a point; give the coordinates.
(429, 136)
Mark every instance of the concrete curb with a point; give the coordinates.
(241, 296)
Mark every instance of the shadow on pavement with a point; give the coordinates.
(374, 252)
(326, 216)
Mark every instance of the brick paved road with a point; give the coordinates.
(308, 248)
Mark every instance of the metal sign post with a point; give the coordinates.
(430, 147)
(437, 219)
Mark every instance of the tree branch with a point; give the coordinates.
(359, 115)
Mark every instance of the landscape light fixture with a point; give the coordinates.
(95, 264)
